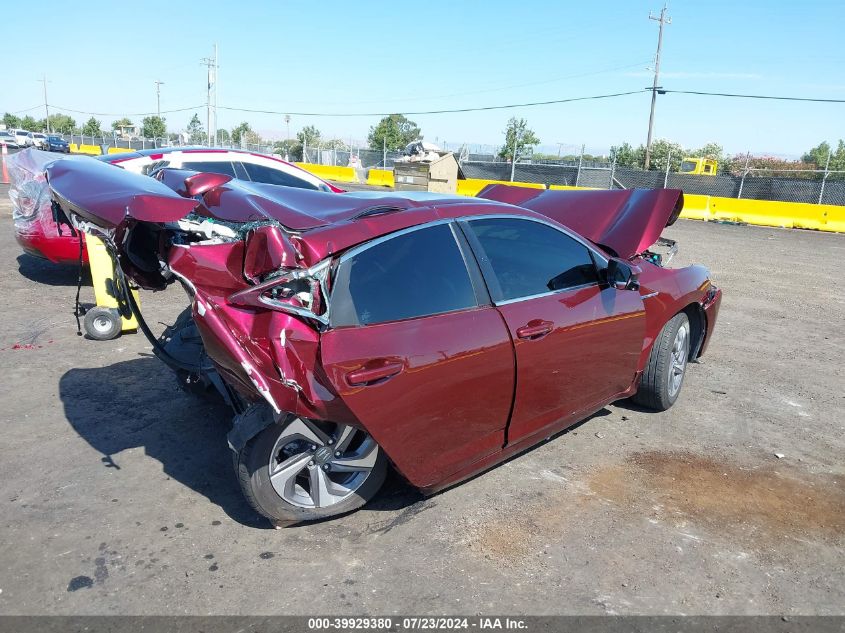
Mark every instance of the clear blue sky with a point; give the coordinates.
(326, 56)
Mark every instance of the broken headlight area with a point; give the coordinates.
(662, 252)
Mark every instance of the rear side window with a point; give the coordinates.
(213, 167)
(530, 258)
(270, 176)
(411, 275)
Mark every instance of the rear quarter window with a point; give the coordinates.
(416, 274)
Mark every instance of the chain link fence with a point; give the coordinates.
(809, 186)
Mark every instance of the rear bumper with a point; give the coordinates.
(711, 312)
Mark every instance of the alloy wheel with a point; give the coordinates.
(680, 348)
(318, 464)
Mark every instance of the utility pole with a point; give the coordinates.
(663, 21)
(559, 146)
(211, 96)
(158, 97)
(46, 107)
(515, 145)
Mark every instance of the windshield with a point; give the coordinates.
(53, 137)
(688, 165)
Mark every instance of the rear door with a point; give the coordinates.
(577, 341)
(418, 353)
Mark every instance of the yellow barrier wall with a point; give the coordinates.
(327, 172)
(120, 150)
(471, 186)
(93, 150)
(380, 178)
(74, 148)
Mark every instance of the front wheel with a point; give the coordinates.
(663, 377)
(304, 470)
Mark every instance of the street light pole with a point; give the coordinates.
(46, 107)
(663, 21)
(158, 97)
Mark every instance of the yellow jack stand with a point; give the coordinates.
(104, 322)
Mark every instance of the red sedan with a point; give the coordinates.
(437, 334)
(38, 234)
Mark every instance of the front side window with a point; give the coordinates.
(415, 274)
(530, 258)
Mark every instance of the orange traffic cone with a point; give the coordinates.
(3, 153)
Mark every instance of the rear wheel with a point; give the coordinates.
(667, 363)
(303, 470)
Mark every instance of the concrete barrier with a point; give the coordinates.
(328, 172)
(380, 178)
(93, 150)
(471, 186)
(120, 150)
(74, 148)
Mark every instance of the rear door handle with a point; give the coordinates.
(534, 329)
(369, 375)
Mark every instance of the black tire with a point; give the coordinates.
(251, 467)
(655, 391)
(102, 324)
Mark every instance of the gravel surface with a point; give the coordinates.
(118, 494)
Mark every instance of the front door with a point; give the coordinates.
(577, 341)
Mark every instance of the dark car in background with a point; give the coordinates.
(55, 143)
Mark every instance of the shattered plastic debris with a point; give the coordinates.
(780, 455)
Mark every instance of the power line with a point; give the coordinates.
(55, 107)
(450, 111)
(742, 96)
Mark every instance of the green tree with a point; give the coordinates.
(393, 132)
(663, 150)
(92, 127)
(28, 123)
(59, 123)
(627, 156)
(124, 122)
(223, 136)
(153, 127)
(517, 135)
(11, 121)
(239, 132)
(818, 156)
(288, 147)
(309, 136)
(195, 131)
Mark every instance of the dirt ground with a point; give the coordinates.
(118, 494)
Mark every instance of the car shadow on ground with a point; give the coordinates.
(43, 271)
(136, 404)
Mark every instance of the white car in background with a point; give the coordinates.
(39, 140)
(8, 139)
(239, 164)
(24, 138)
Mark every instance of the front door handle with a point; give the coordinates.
(535, 329)
(369, 375)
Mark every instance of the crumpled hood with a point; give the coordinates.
(107, 195)
(627, 222)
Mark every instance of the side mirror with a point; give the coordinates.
(622, 275)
